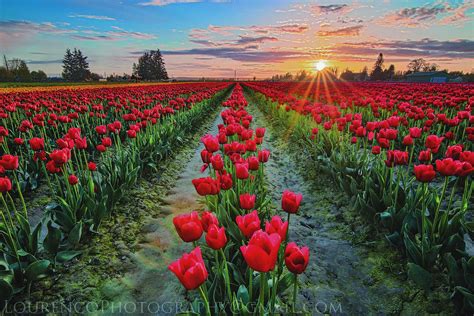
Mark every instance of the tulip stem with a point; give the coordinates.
(250, 285)
(295, 289)
(206, 301)
(435, 220)
(261, 300)
(227, 281)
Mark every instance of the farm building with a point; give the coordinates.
(429, 76)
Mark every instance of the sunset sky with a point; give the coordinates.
(213, 38)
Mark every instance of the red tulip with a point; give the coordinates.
(247, 201)
(9, 162)
(465, 170)
(188, 226)
(253, 163)
(290, 201)
(407, 140)
(217, 162)
(467, 156)
(208, 219)
(19, 141)
(433, 142)
(454, 152)
(260, 132)
(448, 166)
(37, 143)
(263, 155)
(248, 224)
(376, 150)
(262, 251)
(225, 180)
(206, 156)
(190, 269)
(296, 259)
(60, 156)
(92, 166)
(101, 129)
(206, 186)
(72, 179)
(211, 143)
(425, 155)
(241, 171)
(106, 141)
(5, 184)
(131, 133)
(424, 173)
(215, 237)
(415, 132)
(276, 225)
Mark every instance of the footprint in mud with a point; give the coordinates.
(150, 286)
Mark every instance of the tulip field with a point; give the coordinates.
(249, 198)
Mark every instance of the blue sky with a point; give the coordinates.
(256, 38)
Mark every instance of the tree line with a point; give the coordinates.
(378, 72)
(150, 66)
(17, 70)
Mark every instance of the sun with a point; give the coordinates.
(319, 65)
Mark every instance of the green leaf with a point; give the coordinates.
(243, 294)
(75, 235)
(420, 276)
(36, 270)
(67, 255)
(6, 291)
(52, 239)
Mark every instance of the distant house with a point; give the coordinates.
(428, 76)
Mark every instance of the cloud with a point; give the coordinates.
(241, 54)
(428, 48)
(94, 37)
(117, 34)
(93, 17)
(161, 3)
(458, 15)
(424, 15)
(15, 32)
(44, 62)
(331, 8)
(256, 40)
(346, 31)
(27, 26)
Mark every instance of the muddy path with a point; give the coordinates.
(149, 288)
(348, 274)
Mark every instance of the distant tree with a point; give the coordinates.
(377, 71)
(417, 65)
(347, 75)
(364, 75)
(301, 75)
(38, 76)
(389, 73)
(151, 66)
(75, 66)
(94, 77)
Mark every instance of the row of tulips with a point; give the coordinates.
(407, 164)
(239, 266)
(87, 168)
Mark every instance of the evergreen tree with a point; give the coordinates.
(68, 66)
(377, 71)
(75, 66)
(151, 66)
